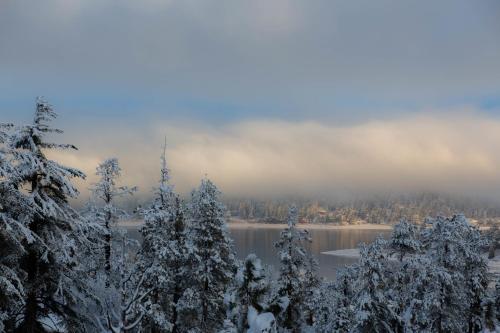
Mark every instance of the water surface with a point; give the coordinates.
(261, 242)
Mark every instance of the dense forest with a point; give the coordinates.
(381, 209)
(68, 270)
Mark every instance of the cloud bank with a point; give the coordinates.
(456, 151)
(250, 59)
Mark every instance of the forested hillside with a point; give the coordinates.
(383, 209)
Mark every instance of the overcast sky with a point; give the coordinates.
(266, 97)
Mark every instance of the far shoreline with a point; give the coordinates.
(255, 225)
(241, 224)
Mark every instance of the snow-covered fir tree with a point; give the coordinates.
(250, 291)
(5, 167)
(492, 317)
(404, 239)
(375, 309)
(201, 308)
(493, 236)
(165, 250)
(312, 291)
(104, 210)
(124, 311)
(47, 229)
(453, 246)
(293, 281)
(334, 310)
(15, 214)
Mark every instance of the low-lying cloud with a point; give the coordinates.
(458, 152)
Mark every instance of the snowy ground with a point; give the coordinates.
(345, 253)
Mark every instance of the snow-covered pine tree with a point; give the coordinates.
(15, 215)
(312, 291)
(489, 320)
(251, 287)
(107, 214)
(475, 273)
(375, 310)
(416, 292)
(496, 300)
(13, 233)
(213, 263)
(164, 249)
(334, 310)
(453, 245)
(493, 235)
(5, 167)
(124, 311)
(404, 239)
(50, 244)
(293, 280)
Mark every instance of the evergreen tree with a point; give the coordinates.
(334, 310)
(213, 263)
(107, 215)
(50, 227)
(164, 249)
(494, 240)
(404, 239)
(124, 311)
(417, 287)
(375, 310)
(453, 245)
(250, 290)
(5, 167)
(15, 215)
(293, 279)
(312, 291)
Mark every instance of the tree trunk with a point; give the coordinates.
(107, 250)
(30, 321)
(177, 296)
(205, 305)
(491, 252)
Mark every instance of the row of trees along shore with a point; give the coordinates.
(63, 270)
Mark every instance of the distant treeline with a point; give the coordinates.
(387, 209)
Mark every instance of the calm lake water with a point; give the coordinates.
(261, 242)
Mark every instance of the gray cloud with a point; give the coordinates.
(458, 152)
(301, 56)
(267, 97)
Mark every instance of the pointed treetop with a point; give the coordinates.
(208, 187)
(109, 167)
(109, 172)
(31, 137)
(165, 171)
(44, 113)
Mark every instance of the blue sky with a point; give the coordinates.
(126, 66)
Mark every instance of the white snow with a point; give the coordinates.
(493, 264)
(345, 253)
(260, 323)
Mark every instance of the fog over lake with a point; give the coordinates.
(261, 242)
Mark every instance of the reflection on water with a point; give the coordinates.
(261, 242)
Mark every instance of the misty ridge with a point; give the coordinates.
(382, 209)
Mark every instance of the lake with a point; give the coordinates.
(261, 242)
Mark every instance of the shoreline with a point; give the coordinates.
(239, 224)
(253, 225)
